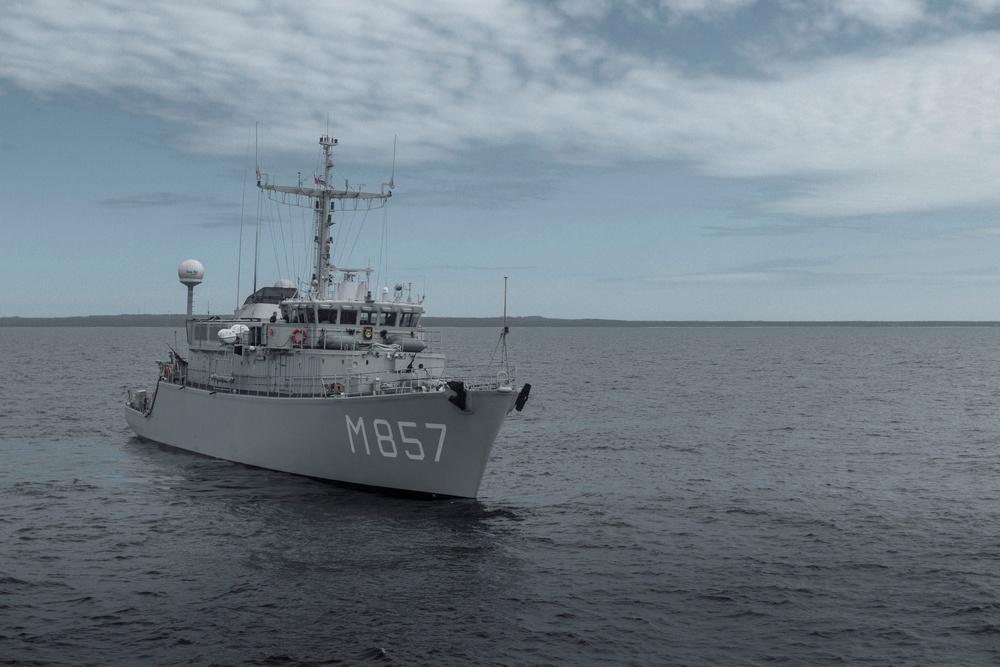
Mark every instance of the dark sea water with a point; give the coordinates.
(675, 496)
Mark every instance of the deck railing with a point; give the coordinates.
(337, 386)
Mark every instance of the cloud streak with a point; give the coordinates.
(160, 200)
(907, 127)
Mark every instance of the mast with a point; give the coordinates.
(322, 198)
(324, 221)
(505, 329)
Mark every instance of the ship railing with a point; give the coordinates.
(349, 385)
(483, 377)
(433, 339)
(173, 371)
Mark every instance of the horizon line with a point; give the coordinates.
(171, 319)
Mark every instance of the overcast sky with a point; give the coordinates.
(635, 159)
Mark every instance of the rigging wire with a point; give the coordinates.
(345, 240)
(307, 252)
(493, 356)
(502, 340)
(243, 206)
(383, 249)
(270, 227)
(358, 235)
(256, 250)
(344, 232)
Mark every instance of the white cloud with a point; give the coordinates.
(584, 8)
(704, 7)
(913, 129)
(983, 6)
(735, 277)
(887, 14)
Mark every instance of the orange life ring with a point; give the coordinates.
(298, 336)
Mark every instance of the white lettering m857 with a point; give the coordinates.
(385, 438)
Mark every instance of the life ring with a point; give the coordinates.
(270, 332)
(298, 336)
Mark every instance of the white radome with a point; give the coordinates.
(191, 272)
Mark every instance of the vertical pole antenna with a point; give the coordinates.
(505, 320)
(256, 244)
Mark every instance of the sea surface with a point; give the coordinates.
(669, 496)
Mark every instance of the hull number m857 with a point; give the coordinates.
(389, 446)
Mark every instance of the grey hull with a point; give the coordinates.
(418, 442)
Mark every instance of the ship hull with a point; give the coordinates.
(416, 443)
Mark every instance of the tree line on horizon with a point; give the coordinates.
(177, 321)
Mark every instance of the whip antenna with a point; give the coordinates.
(392, 174)
(505, 329)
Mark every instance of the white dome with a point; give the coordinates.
(284, 282)
(191, 272)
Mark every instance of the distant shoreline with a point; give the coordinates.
(530, 321)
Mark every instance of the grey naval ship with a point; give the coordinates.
(334, 381)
